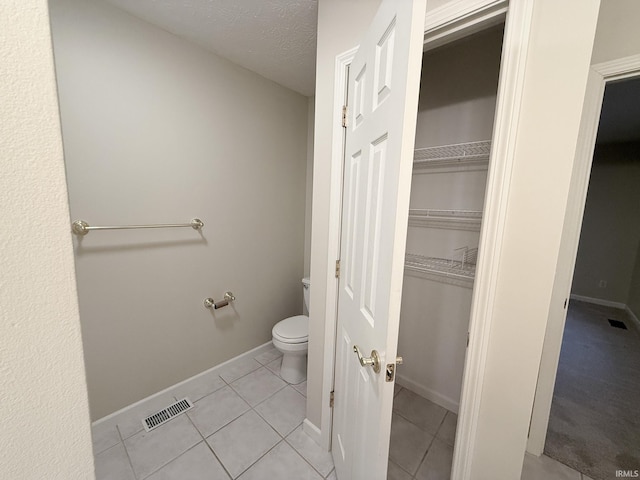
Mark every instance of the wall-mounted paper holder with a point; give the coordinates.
(211, 303)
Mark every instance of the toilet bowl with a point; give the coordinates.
(291, 337)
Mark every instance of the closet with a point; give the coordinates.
(455, 122)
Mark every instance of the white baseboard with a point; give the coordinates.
(250, 354)
(598, 301)
(313, 431)
(634, 319)
(428, 393)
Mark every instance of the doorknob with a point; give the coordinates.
(373, 360)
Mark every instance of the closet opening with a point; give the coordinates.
(458, 93)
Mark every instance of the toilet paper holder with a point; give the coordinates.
(211, 303)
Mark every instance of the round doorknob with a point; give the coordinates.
(373, 360)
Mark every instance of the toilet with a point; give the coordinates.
(291, 337)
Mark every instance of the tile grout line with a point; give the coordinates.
(204, 439)
(170, 461)
(302, 456)
(135, 475)
(419, 427)
(430, 445)
(260, 458)
(434, 436)
(251, 408)
(261, 401)
(260, 365)
(282, 437)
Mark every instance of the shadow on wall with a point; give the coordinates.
(482, 64)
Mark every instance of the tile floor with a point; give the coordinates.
(422, 436)
(422, 439)
(246, 423)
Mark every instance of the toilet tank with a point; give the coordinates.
(306, 285)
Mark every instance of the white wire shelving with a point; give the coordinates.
(449, 219)
(469, 156)
(444, 270)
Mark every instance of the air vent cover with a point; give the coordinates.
(166, 414)
(617, 324)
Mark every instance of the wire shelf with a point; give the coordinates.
(446, 219)
(460, 156)
(441, 266)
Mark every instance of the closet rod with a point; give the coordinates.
(80, 227)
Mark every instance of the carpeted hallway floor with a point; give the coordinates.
(595, 416)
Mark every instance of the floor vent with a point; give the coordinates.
(617, 324)
(166, 414)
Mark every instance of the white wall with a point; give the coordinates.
(44, 427)
(611, 226)
(615, 39)
(454, 107)
(157, 130)
(340, 25)
(555, 75)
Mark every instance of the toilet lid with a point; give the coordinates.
(292, 329)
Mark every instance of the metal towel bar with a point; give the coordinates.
(80, 227)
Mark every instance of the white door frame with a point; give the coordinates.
(454, 20)
(599, 75)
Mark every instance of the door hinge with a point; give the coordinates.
(467, 339)
(344, 116)
(331, 399)
(337, 268)
(565, 303)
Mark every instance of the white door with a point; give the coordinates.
(383, 88)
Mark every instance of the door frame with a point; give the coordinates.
(450, 22)
(599, 75)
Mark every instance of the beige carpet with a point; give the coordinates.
(595, 416)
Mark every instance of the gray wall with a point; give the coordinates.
(616, 32)
(611, 226)
(157, 130)
(633, 299)
(458, 91)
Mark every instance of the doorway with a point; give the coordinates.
(451, 160)
(594, 419)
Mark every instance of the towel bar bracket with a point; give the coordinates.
(211, 303)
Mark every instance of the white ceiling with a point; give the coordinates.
(274, 38)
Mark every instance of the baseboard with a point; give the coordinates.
(313, 431)
(250, 354)
(634, 319)
(428, 393)
(598, 301)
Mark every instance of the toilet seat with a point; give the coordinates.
(292, 330)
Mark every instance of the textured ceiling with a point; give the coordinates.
(274, 38)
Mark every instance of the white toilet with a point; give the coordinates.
(291, 337)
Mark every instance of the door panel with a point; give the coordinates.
(383, 92)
